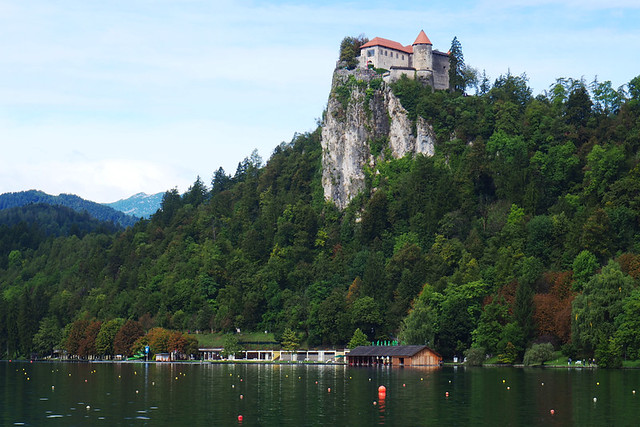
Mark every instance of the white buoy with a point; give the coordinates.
(595, 399)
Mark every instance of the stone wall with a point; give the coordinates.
(440, 70)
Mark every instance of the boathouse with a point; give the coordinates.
(398, 355)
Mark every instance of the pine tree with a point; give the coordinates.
(290, 340)
(358, 339)
(456, 66)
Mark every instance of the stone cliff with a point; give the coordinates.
(364, 122)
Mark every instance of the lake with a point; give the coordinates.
(52, 393)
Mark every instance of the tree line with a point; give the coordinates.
(522, 229)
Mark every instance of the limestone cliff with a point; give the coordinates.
(364, 122)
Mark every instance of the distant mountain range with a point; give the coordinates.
(78, 204)
(140, 205)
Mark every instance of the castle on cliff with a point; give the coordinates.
(419, 60)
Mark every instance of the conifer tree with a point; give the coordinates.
(456, 67)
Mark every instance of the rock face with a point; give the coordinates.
(364, 122)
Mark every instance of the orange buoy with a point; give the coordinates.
(382, 389)
(329, 390)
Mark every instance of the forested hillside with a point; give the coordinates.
(524, 227)
(78, 204)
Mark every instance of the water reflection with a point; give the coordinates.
(194, 394)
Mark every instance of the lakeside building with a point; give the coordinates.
(398, 355)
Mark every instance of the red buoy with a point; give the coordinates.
(382, 389)
(239, 418)
(329, 390)
(552, 412)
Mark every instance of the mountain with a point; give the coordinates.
(140, 205)
(78, 204)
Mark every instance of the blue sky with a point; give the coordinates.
(106, 99)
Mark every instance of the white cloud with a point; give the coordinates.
(120, 90)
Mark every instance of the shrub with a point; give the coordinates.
(475, 356)
(537, 354)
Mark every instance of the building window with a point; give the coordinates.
(403, 57)
(396, 55)
(371, 52)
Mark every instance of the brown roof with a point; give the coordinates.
(396, 350)
(390, 44)
(422, 38)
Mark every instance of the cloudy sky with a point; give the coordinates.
(105, 99)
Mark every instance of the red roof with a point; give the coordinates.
(422, 38)
(389, 44)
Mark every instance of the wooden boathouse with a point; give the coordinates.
(398, 355)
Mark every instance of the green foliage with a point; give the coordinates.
(48, 337)
(509, 354)
(596, 308)
(231, 346)
(456, 66)
(106, 337)
(537, 354)
(585, 265)
(519, 191)
(290, 340)
(418, 328)
(358, 339)
(350, 50)
(475, 356)
(489, 330)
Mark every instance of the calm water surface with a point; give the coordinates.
(67, 394)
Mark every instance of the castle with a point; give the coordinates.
(418, 60)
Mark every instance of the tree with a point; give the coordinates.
(585, 265)
(220, 181)
(87, 345)
(578, 107)
(231, 346)
(418, 327)
(596, 308)
(126, 337)
(537, 354)
(48, 336)
(475, 356)
(627, 334)
(509, 355)
(290, 340)
(350, 50)
(358, 339)
(493, 318)
(159, 340)
(456, 67)
(106, 337)
(76, 335)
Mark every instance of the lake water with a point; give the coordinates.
(66, 394)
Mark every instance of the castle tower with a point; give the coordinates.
(422, 53)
